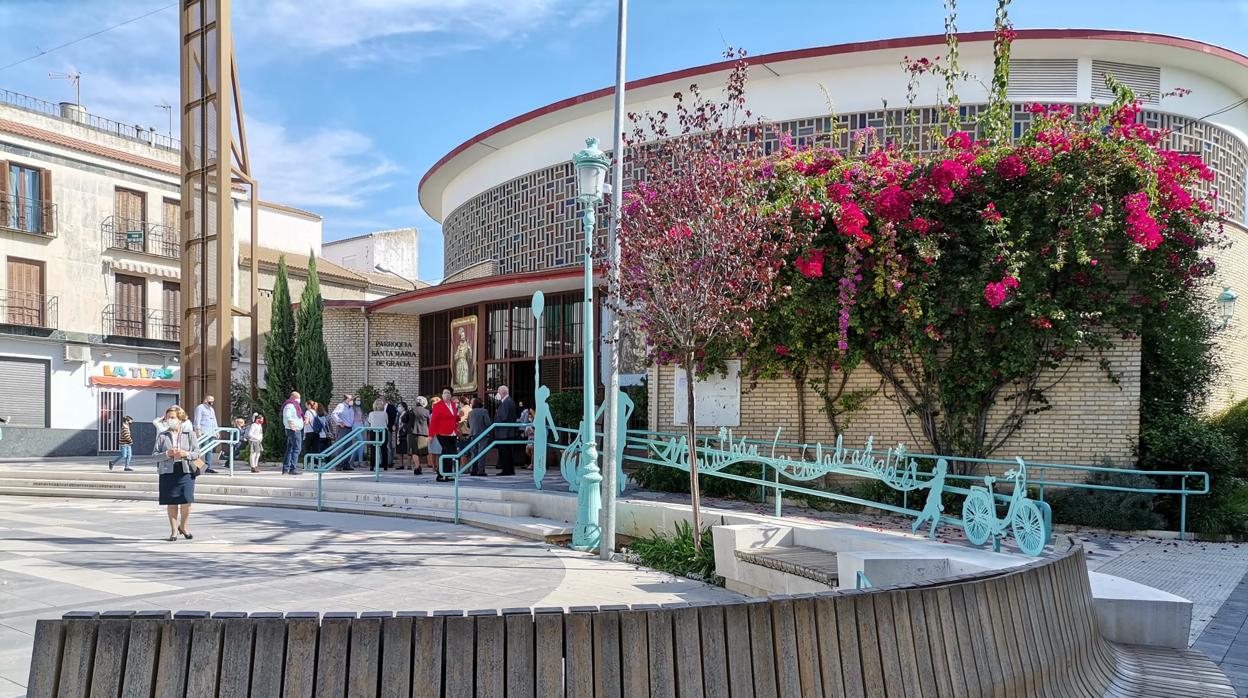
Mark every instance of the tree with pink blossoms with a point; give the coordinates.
(701, 246)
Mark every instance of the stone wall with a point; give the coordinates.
(392, 353)
(1091, 418)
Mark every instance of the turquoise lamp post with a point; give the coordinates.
(591, 172)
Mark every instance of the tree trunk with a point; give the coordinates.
(691, 432)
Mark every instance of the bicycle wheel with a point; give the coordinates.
(978, 514)
(1029, 529)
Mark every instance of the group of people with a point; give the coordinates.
(417, 435)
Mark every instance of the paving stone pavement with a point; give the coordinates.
(58, 555)
(1225, 638)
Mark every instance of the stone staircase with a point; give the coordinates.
(482, 507)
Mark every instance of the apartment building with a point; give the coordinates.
(90, 276)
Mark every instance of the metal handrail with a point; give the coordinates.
(139, 322)
(455, 473)
(134, 132)
(26, 215)
(157, 239)
(341, 451)
(28, 309)
(210, 440)
(645, 439)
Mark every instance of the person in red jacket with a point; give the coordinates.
(443, 423)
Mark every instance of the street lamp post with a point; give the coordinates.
(591, 171)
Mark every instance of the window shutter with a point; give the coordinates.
(4, 192)
(48, 211)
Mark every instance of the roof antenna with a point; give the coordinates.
(168, 113)
(75, 79)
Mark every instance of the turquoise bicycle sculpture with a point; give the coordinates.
(1030, 521)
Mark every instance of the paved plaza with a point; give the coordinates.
(58, 555)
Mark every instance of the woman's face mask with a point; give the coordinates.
(357, 403)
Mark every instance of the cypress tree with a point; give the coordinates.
(279, 359)
(312, 369)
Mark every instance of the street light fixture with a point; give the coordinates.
(385, 270)
(1226, 305)
(591, 172)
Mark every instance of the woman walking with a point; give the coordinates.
(176, 457)
(255, 441)
(126, 451)
(443, 426)
(311, 429)
(403, 428)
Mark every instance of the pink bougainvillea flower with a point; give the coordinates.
(810, 264)
(1042, 322)
(995, 293)
(1009, 282)
(893, 203)
(810, 209)
(990, 213)
(1011, 167)
(959, 140)
(920, 225)
(1141, 226)
(679, 232)
(1095, 211)
(853, 223)
(782, 350)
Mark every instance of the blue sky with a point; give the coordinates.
(349, 102)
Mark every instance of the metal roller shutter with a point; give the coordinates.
(24, 392)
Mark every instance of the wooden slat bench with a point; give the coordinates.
(810, 563)
(1026, 632)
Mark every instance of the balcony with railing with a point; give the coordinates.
(26, 309)
(140, 323)
(71, 112)
(139, 236)
(26, 215)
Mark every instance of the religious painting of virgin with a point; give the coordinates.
(464, 354)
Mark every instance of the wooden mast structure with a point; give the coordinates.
(214, 161)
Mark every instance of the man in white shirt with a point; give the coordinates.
(205, 422)
(343, 421)
(292, 420)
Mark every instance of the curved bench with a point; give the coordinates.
(1029, 631)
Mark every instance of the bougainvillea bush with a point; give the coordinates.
(972, 277)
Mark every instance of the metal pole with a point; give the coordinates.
(611, 436)
(586, 534)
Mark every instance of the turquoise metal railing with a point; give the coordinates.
(343, 450)
(908, 472)
(861, 581)
(475, 449)
(222, 436)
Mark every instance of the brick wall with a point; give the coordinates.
(1091, 418)
(392, 355)
(1232, 342)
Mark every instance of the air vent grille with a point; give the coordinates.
(1044, 78)
(1144, 80)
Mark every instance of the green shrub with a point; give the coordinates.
(664, 478)
(1187, 443)
(1119, 511)
(677, 554)
(1233, 423)
(566, 408)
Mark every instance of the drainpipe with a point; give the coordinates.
(367, 346)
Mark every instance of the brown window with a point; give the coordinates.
(25, 301)
(171, 293)
(172, 215)
(26, 198)
(129, 311)
(130, 219)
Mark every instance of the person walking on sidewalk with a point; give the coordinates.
(255, 441)
(176, 454)
(206, 423)
(126, 452)
(292, 420)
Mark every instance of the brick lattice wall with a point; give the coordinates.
(1091, 418)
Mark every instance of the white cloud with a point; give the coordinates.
(395, 29)
(331, 167)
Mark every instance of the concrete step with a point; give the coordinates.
(423, 497)
(521, 525)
